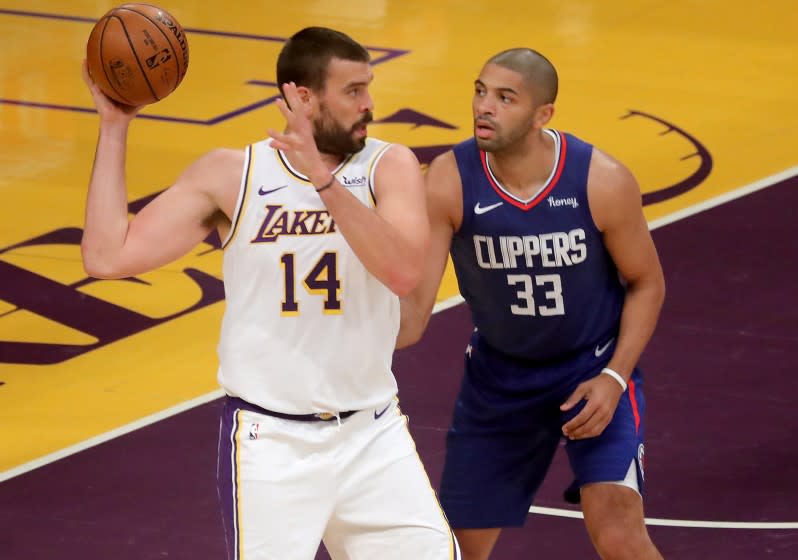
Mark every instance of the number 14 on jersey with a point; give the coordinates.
(322, 280)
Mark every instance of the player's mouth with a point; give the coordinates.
(483, 129)
(360, 131)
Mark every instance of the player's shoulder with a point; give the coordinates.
(609, 174)
(445, 164)
(612, 188)
(393, 154)
(216, 171)
(444, 188)
(225, 156)
(390, 162)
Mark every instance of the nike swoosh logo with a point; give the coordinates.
(263, 192)
(378, 414)
(482, 209)
(601, 349)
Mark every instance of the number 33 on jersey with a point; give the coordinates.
(541, 261)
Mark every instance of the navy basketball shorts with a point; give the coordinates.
(506, 428)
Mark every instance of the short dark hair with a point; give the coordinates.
(306, 55)
(537, 70)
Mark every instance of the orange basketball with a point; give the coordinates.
(137, 54)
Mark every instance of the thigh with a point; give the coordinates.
(385, 506)
(490, 480)
(275, 503)
(610, 456)
(501, 441)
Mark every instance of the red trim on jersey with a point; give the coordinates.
(635, 411)
(539, 198)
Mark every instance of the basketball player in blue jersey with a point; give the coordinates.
(554, 258)
(322, 229)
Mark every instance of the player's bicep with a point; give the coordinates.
(632, 249)
(181, 216)
(444, 202)
(400, 200)
(167, 228)
(616, 201)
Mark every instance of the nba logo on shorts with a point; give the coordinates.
(641, 452)
(253, 431)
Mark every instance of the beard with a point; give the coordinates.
(491, 145)
(503, 137)
(333, 138)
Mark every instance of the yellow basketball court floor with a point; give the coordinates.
(698, 98)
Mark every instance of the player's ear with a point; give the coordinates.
(543, 114)
(308, 98)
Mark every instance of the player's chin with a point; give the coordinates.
(487, 145)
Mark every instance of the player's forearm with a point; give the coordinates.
(392, 256)
(638, 320)
(106, 222)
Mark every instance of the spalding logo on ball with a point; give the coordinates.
(137, 54)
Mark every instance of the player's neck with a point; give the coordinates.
(525, 166)
(330, 161)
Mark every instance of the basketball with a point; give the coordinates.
(137, 54)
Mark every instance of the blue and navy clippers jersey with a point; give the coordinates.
(535, 273)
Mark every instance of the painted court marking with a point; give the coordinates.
(557, 512)
(441, 306)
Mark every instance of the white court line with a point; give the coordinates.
(440, 306)
(557, 512)
(107, 436)
(726, 197)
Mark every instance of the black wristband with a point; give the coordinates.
(328, 185)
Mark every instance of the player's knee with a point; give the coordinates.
(476, 544)
(622, 543)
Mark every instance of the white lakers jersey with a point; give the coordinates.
(306, 327)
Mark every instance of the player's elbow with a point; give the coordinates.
(96, 265)
(658, 286)
(652, 287)
(661, 292)
(100, 270)
(403, 280)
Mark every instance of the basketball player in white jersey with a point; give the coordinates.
(323, 229)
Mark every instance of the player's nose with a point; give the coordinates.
(484, 106)
(368, 104)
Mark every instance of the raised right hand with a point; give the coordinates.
(297, 140)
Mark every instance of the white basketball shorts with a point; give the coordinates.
(357, 484)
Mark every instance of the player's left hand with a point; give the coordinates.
(602, 394)
(297, 140)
